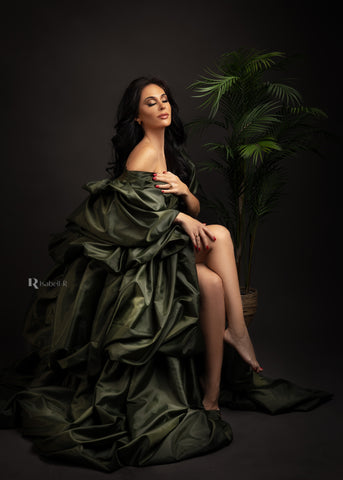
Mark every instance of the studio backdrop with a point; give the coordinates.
(65, 66)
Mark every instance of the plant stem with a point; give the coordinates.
(239, 234)
(250, 255)
(241, 221)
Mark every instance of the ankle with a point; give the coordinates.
(237, 332)
(210, 404)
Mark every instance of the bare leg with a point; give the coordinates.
(220, 258)
(212, 321)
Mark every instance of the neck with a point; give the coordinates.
(156, 138)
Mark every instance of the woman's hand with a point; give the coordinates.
(197, 231)
(171, 183)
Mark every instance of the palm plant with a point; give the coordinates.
(263, 123)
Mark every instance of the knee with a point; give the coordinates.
(221, 232)
(210, 283)
(215, 283)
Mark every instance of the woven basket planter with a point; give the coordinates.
(249, 302)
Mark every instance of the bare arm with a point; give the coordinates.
(192, 203)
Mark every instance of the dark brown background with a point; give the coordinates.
(65, 66)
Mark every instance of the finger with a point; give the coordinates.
(161, 173)
(163, 186)
(209, 233)
(169, 177)
(159, 176)
(197, 241)
(204, 239)
(169, 188)
(206, 235)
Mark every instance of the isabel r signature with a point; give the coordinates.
(35, 283)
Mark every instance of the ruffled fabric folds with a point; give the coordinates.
(112, 379)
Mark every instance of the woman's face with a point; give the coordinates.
(154, 110)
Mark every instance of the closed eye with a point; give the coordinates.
(149, 101)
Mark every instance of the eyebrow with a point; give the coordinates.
(151, 96)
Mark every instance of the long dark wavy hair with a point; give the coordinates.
(129, 133)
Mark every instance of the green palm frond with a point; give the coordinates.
(316, 112)
(249, 61)
(222, 148)
(268, 195)
(213, 87)
(256, 151)
(262, 61)
(264, 187)
(285, 93)
(258, 120)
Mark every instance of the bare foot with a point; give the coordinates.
(242, 343)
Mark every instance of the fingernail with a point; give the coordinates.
(214, 239)
(156, 186)
(206, 247)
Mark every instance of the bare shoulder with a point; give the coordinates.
(142, 158)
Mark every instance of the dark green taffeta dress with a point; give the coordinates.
(112, 379)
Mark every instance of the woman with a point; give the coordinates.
(214, 254)
(113, 376)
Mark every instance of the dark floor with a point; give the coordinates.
(293, 446)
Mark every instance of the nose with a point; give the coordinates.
(162, 105)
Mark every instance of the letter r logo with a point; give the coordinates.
(33, 282)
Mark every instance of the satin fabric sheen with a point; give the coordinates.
(116, 347)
